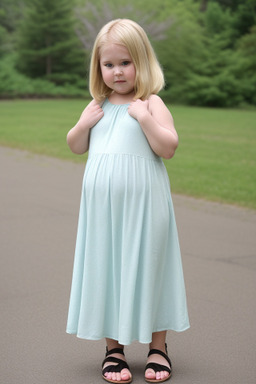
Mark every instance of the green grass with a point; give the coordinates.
(216, 158)
(40, 126)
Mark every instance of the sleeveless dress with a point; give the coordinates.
(127, 277)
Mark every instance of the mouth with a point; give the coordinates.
(120, 81)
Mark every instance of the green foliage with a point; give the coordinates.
(47, 43)
(245, 17)
(216, 19)
(247, 47)
(3, 36)
(217, 68)
(11, 13)
(14, 84)
(3, 33)
(206, 47)
(245, 68)
(180, 53)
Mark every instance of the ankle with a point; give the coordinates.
(113, 344)
(159, 345)
(158, 341)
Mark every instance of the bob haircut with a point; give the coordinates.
(149, 77)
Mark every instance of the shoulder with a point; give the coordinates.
(155, 101)
(153, 96)
(157, 106)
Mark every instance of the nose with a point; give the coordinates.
(118, 71)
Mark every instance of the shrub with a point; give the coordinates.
(14, 84)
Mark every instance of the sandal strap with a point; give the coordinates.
(121, 364)
(114, 350)
(158, 352)
(158, 367)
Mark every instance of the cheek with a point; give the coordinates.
(106, 75)
(132, 73)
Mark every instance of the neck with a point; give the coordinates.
(117, 98)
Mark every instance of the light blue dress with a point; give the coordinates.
(127, 277)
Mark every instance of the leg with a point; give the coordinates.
(125, 374)
(158, 342)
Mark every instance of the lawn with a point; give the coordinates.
(216, 158)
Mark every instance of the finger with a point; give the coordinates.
(94, 103)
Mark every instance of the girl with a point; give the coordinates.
(127, 279)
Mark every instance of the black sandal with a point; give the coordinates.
(121, 364)
(159, 367)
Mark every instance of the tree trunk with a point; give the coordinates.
(48, 64)
(203, 5)
(48, 57)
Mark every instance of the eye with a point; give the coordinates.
(108, 65)
(125, 63)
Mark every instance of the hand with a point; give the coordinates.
(138, 108)
(91, 114)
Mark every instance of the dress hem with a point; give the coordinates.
(142, 341)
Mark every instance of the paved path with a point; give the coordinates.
(38, 218)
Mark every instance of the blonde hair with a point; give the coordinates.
(149, 75)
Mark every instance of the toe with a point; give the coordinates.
(117, 376)
(164, 375)
(150, 374)
(125, 374)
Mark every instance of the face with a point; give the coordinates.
(117, 68)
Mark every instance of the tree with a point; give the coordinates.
(231, 4)
(48, 45)
(91, 16)
(10, 16)
(245, 17)
(246, 66)
(206, 47)
(181, 52)
(11, 13)
(3, 33)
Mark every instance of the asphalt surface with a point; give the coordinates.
(38, 219)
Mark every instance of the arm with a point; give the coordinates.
(157, 123)
(78, 136)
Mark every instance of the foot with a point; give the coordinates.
(123, 376)
(160, 376)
